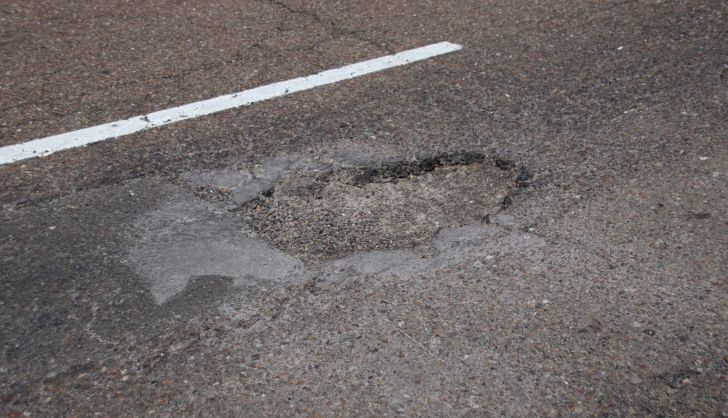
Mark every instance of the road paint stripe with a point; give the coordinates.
(48, 145)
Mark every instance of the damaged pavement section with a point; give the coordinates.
(327, 207)
(188, 239)
(291, 219)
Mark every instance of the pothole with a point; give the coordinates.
(291, 219)
(317, 214)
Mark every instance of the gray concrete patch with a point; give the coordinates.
(453, 245)
(240, 186)
(186, 239)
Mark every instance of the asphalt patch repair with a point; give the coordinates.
(292, 218)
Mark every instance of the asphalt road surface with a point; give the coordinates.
(532, 225)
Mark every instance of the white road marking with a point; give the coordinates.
(48, 145)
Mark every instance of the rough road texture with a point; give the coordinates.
(206, 269)
(383, 205)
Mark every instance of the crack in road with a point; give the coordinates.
(334, 27)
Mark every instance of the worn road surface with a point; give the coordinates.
(534, 225)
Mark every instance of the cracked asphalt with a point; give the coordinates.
(534, 225)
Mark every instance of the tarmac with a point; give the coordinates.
(533, 225)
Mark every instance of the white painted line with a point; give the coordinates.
(51, 144)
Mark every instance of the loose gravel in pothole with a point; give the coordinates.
(399, 204)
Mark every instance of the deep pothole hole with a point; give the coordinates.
(324, 214)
